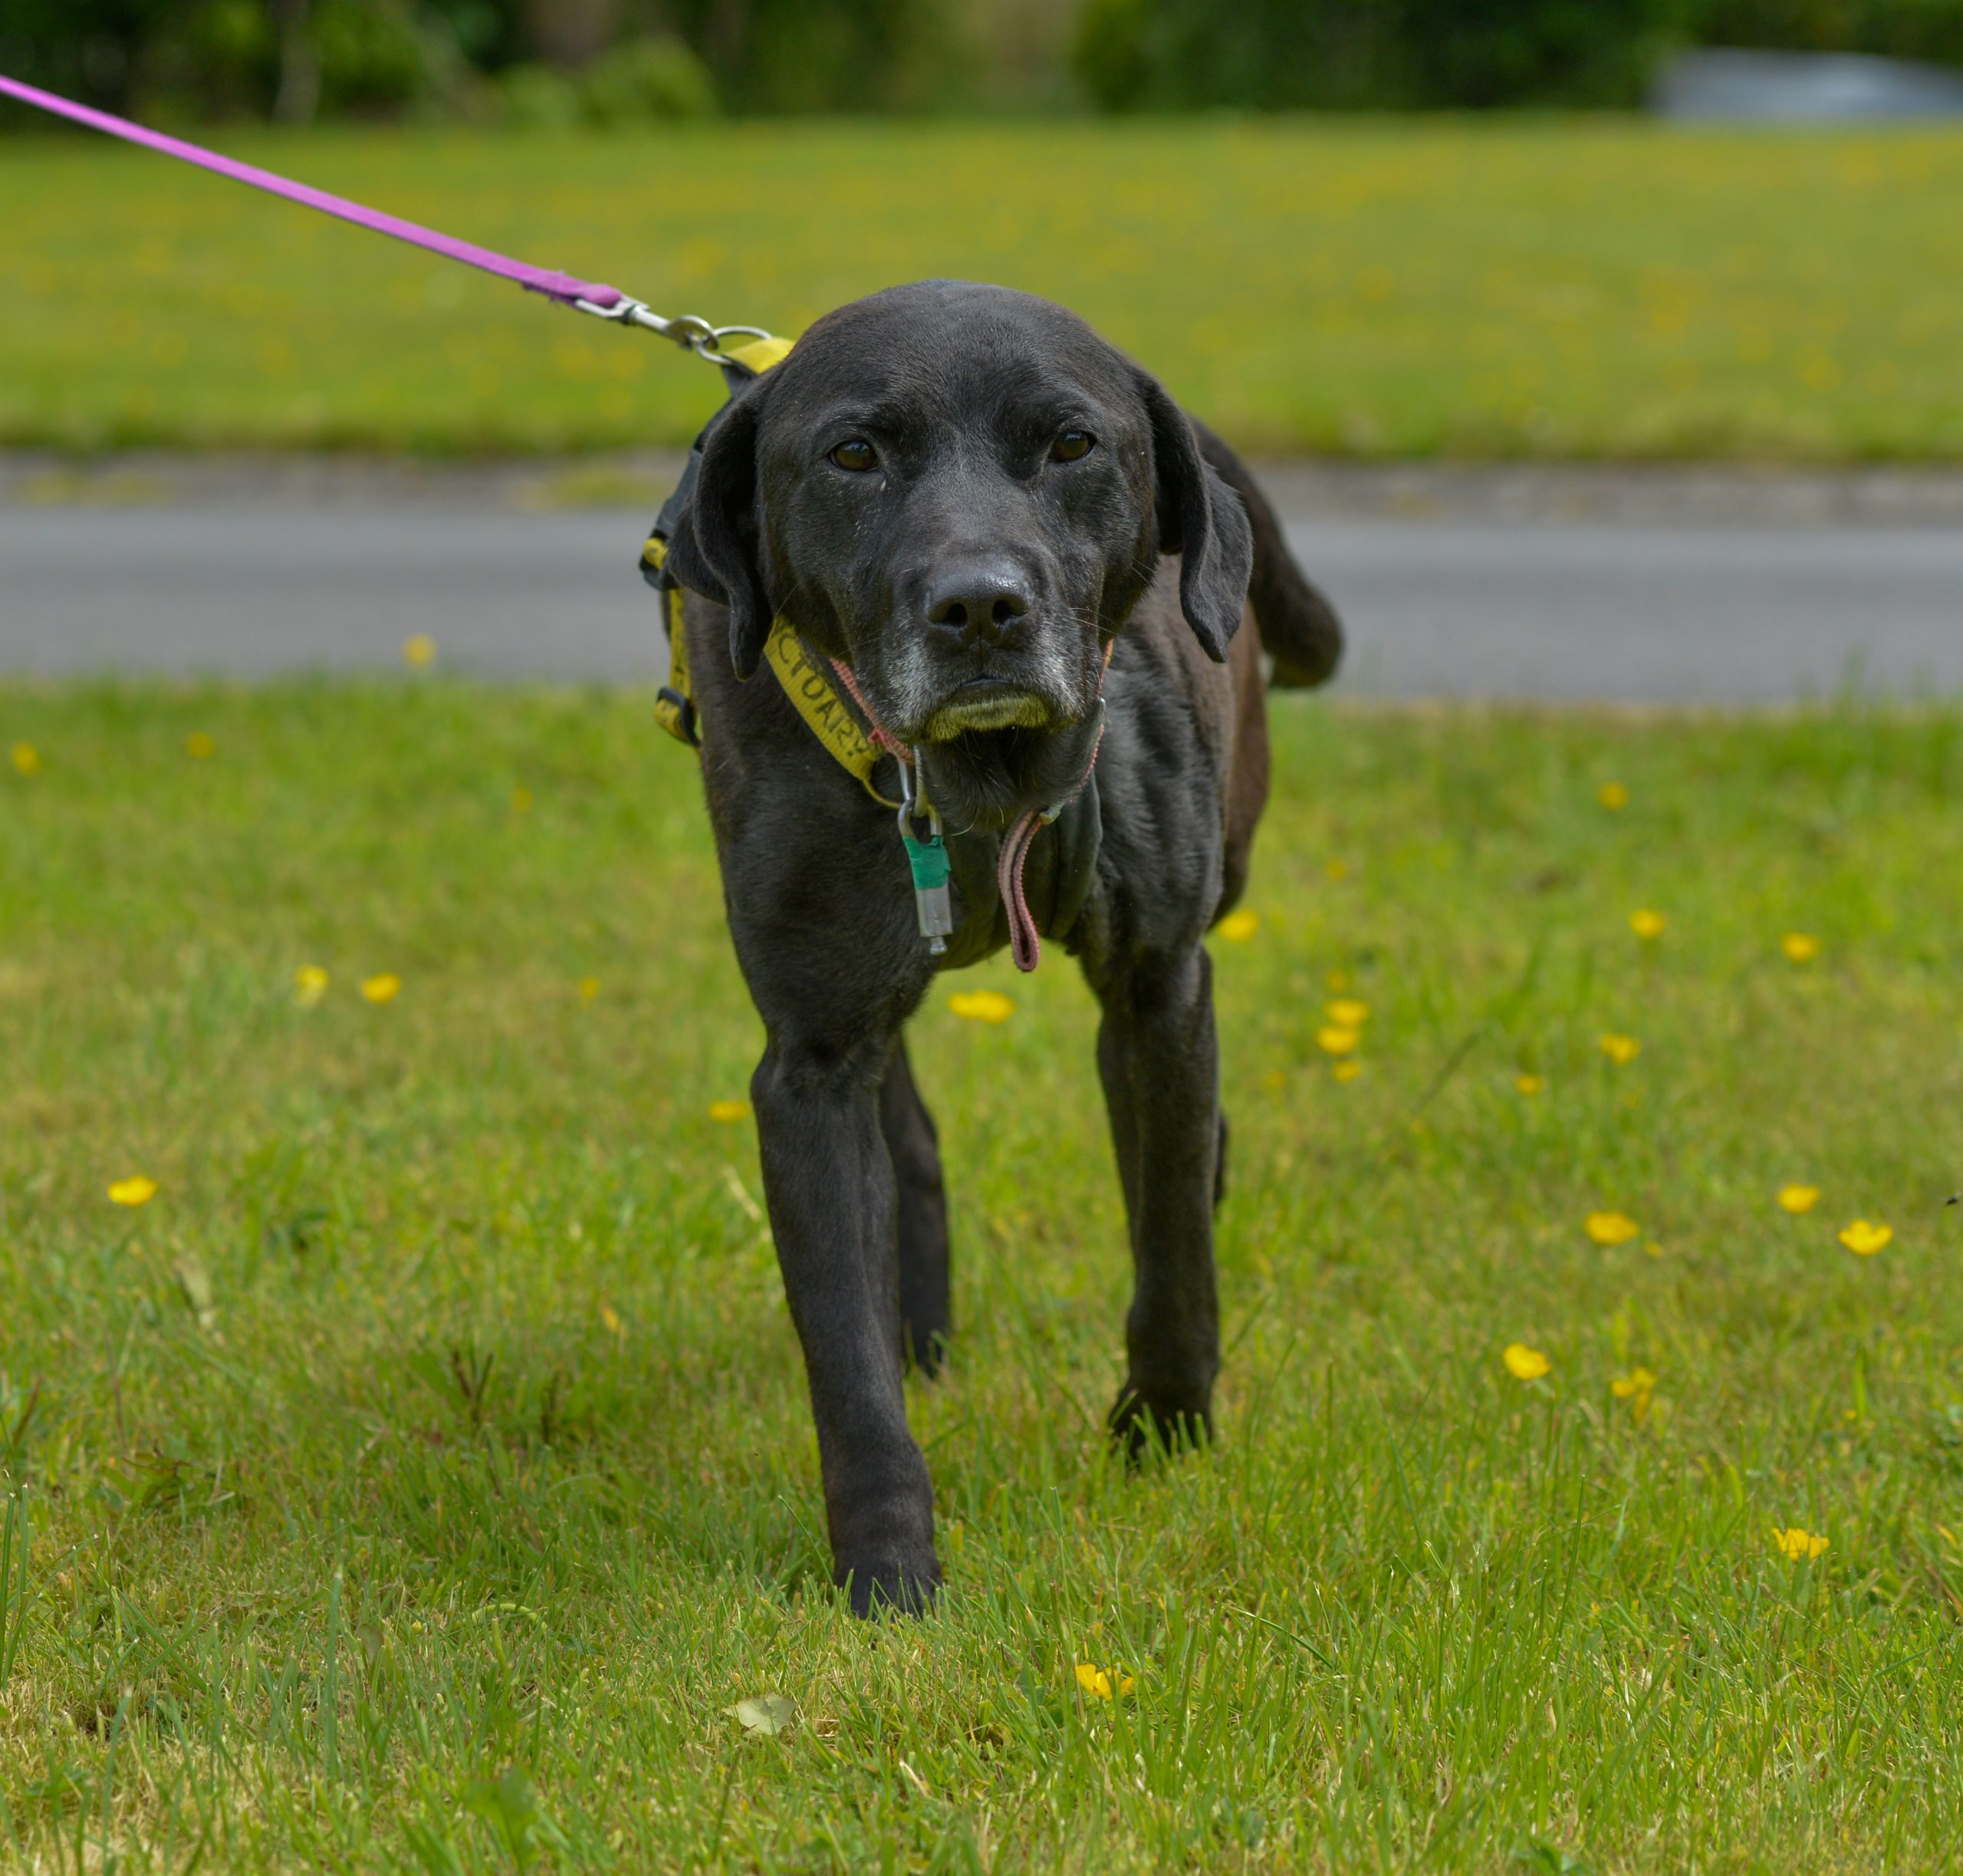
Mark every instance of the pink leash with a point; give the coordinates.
(585, 296)
(881, 735)
(1025, 947)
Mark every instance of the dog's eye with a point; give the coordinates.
(1071, 445)
(857, 454)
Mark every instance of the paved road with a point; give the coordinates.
(1461, 605)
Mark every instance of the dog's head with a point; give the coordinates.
(962, 491)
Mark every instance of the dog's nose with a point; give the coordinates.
(983, 600)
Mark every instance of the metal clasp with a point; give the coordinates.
(689, 330)
(914, 804)
(928, 860)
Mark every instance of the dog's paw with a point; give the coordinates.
(926, 1349)
(1142, 1428)
(884, 1586)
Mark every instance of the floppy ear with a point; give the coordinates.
(717, 550)
(1202, 520)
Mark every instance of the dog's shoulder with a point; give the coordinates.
(1164, 688)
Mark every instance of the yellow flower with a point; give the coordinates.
(1529, 1085)
(27, 759)
(589, 989)
(1647, 924)
(1798, 1546)
(1335, 1039)
(310, 985)
(199, 747)
(1347, 1012)
(1613, 796)
(1638, 1387)
(1609, 1228)
(1240, 926)
(521, 801)
(1864, 1239)
(418, 651)
(1801, 947)
(1621, 1050)
(1798, 1199)
(981, 1006)
(1338, 870)
(1096, 1680)
(136, 1190)
(729, 1111)
(1525, 1363)
(383, 988)
(610, 1317)
(1347, 1070)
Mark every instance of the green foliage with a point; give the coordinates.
(836, 55)
(1347, 287)
(539, 97)
(83, 49)
(229, 57)
(1489, 53)
(473, 1524)
(365, 57)
(1282, 54)
(641, 82)
(232, 58)
(372, 58)
(653, 81)
(1924, 29)
(1292, 54)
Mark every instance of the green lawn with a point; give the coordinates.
(1596, 288)
(418, 1479)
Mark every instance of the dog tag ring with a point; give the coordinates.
(932, 905)
(929, 859)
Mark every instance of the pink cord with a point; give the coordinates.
(554, 285)
(882, 735)
(1025, 943)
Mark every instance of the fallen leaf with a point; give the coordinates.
(767, 1714)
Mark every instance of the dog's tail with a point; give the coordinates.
(1298, 627)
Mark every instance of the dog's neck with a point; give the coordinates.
(985, 780)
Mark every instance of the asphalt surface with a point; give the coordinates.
(1648, 592)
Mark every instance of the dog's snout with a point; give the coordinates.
(980, 599)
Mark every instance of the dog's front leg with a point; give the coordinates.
(829, 1181)
(1157, 1058)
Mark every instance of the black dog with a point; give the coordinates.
(971, 502)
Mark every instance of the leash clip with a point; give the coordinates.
(689, 330)
(932, 905)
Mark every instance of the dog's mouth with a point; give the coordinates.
(987, 703)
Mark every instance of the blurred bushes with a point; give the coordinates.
(532, 62)
(296, 60)
(655, 78)
(1281, 54)
(627, 61)
(819, 55)
(1924, 29)
(650, 81)
(230, 58)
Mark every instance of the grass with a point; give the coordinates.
(1548, 288)
(419, 1479)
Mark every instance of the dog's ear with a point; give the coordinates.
(1202, 520)
(718, 548)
